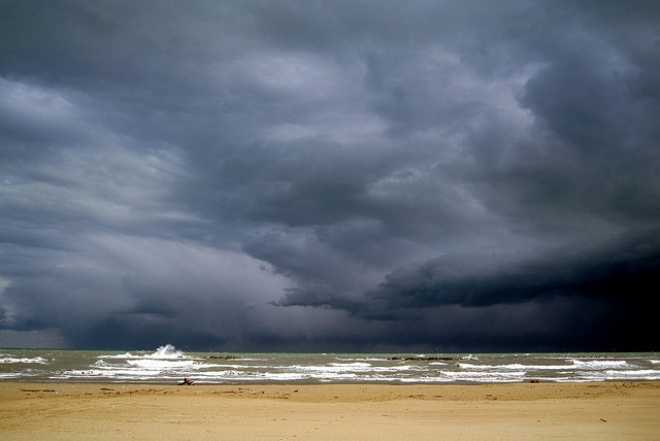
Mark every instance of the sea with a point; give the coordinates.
(169, 365)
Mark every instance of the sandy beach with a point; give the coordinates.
(522, 411)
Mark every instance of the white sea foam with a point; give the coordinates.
(165, 352)
(600, 364)
(161, 364)
(24, 360)
(623, 375)
(516, 367)
(507, 367)
(484, 377)
(119, 356)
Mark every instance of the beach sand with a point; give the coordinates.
(523, 411)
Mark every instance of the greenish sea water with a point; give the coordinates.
(167, 365)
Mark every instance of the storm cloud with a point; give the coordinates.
(340, 175)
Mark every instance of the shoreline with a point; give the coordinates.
(532, 390)
(603, 410)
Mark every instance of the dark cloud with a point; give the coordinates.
(329, 175)
(626, 271)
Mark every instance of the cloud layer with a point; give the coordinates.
(329, 175)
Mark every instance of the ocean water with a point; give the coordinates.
(168, 365)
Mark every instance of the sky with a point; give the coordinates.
(427, 176)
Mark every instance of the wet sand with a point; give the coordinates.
(522, 411)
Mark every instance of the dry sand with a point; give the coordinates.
(524, 411)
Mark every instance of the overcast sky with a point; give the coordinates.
(330, 175)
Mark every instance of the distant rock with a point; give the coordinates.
(222, 357)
